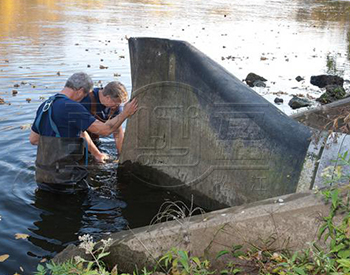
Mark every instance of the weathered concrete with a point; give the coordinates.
(202, 132)
(323, 117)
(290, 222)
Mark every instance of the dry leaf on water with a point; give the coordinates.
(21, 236)
(25, 126)
(4, 257)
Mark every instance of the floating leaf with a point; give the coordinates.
(4, 257)
(21, 236)
(25, 126)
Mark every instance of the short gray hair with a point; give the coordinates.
(80, 80)
(116, 89)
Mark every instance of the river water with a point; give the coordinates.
(42, 42)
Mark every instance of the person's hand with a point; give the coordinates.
(130, 108)
(102, 158)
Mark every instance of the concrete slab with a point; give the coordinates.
(289, 222)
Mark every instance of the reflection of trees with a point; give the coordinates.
(323, 11)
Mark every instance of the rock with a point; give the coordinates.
(322, 81)
(278, 100)
(252, 77)
(299, 78)
(333, 93)
(259, 83)
(296, 102)
(14, 92)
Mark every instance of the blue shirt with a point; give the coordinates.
(70, 117)
(101, 110)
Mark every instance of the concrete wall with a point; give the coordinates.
(203, 133)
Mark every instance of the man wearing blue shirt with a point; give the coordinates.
(104, 104)
(57, 130)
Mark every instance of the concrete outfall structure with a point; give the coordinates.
(202, 133)
(292, 221)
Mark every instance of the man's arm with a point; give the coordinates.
(112, 125)
(100, 157)
(34, 138)
(118, 138)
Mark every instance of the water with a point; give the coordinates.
(42, 42)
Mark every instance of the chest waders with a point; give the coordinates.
(59, 159)
(93, 111)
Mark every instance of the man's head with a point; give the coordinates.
(115, 93)
(81, 83)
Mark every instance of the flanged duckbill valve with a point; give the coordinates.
(204, 133)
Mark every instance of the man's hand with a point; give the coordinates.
(130, 108)
(102, 158)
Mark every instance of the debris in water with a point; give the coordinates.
(116, 74)
(88, 66)
(4, 257)
(21, 236)
(7, 61)
(16, 85)
(58, 73)
(25, 126)
(2, 101)
(299, 78)
(121, 56)
(14, 92)
(278, 100)
(103, 67)
(41, 97)
(28, 100)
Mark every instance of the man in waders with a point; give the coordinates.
(104, 104)
(56, 130)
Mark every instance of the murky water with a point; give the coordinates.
(42, 42)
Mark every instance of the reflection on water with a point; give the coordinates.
(42, 42)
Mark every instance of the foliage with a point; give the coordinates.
(178, 262)
(79, 265)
